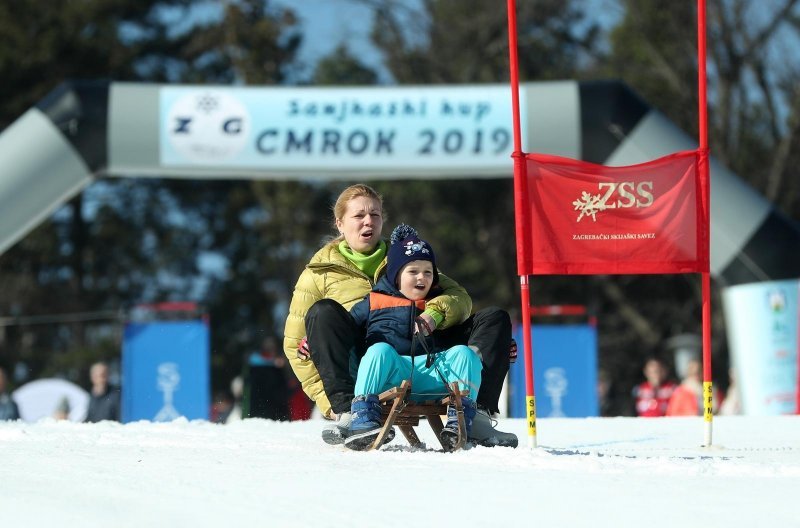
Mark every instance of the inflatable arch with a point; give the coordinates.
(94, 129)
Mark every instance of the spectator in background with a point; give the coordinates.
(237, 391)
(732, 403)
(687, 399)
(62, 409)
(269, 389)
(8, 407)
(104, 403)
(652, 396)
(300, 405)
(221, 407)
(607, 398)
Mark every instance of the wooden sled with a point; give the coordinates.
(396, 410)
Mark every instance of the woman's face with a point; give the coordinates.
(361, 224)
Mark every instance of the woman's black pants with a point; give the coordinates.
(333, 339)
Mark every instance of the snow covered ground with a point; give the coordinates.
(630, 472)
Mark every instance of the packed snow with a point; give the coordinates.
(585, 472)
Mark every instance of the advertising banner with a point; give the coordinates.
(594, 219)
(467, 127)
(165, 371)
(565, 372)
(762, 326)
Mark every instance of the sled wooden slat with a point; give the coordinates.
(410, 434)
(396, 411)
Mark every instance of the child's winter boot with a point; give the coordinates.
(366, 423)
(449, 434)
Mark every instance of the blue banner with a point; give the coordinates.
(565, 372)
(165, 371)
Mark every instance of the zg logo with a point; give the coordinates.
(208, 126)
(614, 195)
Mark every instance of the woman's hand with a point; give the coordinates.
(303, 352)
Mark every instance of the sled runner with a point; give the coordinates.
(396, 410)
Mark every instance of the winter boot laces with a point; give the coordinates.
(484, 432)
(366, 423)
(449, 434)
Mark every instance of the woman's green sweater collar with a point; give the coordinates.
(367, 263)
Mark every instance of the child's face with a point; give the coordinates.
(415, 279)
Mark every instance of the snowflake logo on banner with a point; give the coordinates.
(589, 205)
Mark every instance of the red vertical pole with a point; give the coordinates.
(513, 68)
(708, 391)
(522, 222)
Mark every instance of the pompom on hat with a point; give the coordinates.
(406, 246)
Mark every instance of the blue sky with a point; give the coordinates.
(327, 23)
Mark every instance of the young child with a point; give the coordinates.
(388, 316)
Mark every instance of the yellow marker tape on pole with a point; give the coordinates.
(708, 401)
(531, 404)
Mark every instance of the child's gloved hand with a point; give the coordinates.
(303, 352)
(424, 325)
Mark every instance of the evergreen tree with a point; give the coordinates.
(124, 242)
(466, 41)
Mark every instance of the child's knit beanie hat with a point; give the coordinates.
(406, 246)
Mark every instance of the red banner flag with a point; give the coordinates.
(593, 219)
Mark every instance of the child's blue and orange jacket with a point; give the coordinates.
(386, 316)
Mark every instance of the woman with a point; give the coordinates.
(323, 345)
